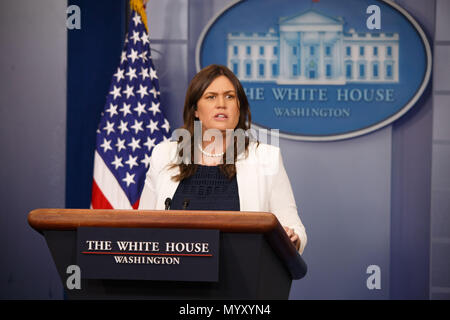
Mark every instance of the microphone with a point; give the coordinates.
(168, 202)
(185, 203)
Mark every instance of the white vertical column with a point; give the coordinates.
(321, 68)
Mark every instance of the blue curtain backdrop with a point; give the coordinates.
(93, 55)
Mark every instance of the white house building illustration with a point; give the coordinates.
(312, 48)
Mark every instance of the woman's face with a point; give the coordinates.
(218, 107)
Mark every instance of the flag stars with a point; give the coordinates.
(145, 38)
(115, 92)
(120, 144)
(142, 91)
(125, 109)
(106, 145)
(137, 20)
(131, 73)
(153, 74)
(152, 126)
(143, 56)
(140, 108)
(146, 160)
(129, 91)
(166, 125)
(123, 126)
(154, 92)
(137, 126)
(150, 143)
(129, 179)
(155, 108)
(134, 144)
(123, 57)
(112, 110)
(133, 55)
(144, 73)
(135, 37)
(109, 127)
(131, 162)
(119, 74)
(117, 163)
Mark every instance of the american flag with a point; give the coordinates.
(132, 123)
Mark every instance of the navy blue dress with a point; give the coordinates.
(207, 189)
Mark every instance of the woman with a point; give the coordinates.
(224, 172)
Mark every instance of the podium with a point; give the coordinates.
(256, 258)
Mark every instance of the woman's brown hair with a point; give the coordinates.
(199, 83)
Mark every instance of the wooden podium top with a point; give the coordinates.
(225, 221)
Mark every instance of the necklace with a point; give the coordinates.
(209, 154)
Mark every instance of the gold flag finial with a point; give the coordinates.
(138, 6)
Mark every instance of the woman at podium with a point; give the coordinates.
(215, 163)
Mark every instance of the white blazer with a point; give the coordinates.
(262, 183)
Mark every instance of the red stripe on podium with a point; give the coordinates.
(149, 254)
